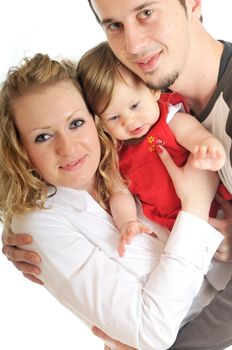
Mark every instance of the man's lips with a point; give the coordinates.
(148, 64)
(73, 165)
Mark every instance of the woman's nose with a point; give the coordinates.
(65, 145)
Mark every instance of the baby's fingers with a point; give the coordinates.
(201, 152)
(121, 246)
(196, 150)
(132, 229)
(146, 229)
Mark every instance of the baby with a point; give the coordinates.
(142, 120)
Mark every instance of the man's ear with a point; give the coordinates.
(194, 8)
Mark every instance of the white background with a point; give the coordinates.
(30, 318)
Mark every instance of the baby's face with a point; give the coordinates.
(133, 109)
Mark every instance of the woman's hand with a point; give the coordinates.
(25, 261)
(196, 188)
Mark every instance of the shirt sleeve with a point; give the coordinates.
(101, 292)
(173, 109)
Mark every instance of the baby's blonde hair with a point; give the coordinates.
(98, 69)
(21, 188)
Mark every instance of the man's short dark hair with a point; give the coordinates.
(182, 2)
(91, 6)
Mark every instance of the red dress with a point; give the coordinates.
(148, 177)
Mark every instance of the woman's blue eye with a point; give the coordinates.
(42, 138)
(77, 123)
(115, 117)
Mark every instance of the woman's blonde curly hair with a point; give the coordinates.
(21, 188)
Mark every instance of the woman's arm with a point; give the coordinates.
(205, 322)
(87, 279)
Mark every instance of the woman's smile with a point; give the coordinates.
(59, 135)
(74, 165)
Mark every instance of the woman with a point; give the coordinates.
(57, 169)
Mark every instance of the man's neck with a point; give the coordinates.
(198, 80)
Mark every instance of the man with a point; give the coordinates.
(165, 44)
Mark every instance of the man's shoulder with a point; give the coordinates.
(227, 46)
(226, 62)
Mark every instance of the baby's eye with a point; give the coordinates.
(42, 138)
(114, 117)
(76, 123)
(134, 106)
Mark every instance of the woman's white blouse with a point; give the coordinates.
(140, 299)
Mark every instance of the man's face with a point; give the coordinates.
(152, 38)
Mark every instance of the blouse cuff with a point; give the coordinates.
(194, 240)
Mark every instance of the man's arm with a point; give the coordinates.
(24, 260)
(211, 329)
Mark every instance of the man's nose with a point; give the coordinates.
(135, 37)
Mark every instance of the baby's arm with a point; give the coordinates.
(123, 210)
(208, 151)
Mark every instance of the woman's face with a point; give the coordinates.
(59, 135)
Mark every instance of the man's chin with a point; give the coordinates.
(162, 83)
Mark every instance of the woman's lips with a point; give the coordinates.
(74, 165)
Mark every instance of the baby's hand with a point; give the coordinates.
(209, 157)
(128, 231)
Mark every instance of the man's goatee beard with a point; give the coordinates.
(164, 83)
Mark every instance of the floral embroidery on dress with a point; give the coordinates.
(153, 141)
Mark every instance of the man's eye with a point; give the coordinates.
(42, 138)
(112, 27)
(77, 123)
(114, 117)
(145, 14)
